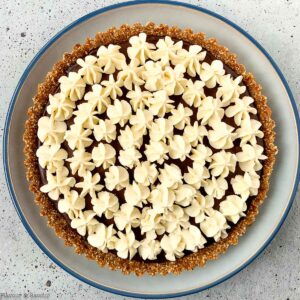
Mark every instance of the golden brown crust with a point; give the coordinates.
(60, 224)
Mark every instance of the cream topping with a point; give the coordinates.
(84, 221)
(116, 178)
(130, 74)
(80, 162)
(160, 104)
(216, 187)
(126, 244)
(249, 158)
(210, 111)
(90, 184)
(139, 99)
(161, 198)
(110, 58)
(72, 86)
(71, 204)
(222, 163)
(173, 80)
(77, 137)
(241, 109)
(153, 75)
(191, 59)
(196, 175)
(175, 219)
(200, 206)
(60, 107)
(97, 99)
(249, 131)
(86, 116)
(151, 221)
(105, 203)
(180, 116)
(145, 173)
(173, 245)
(58, 183)
(194, 93)
(136, 194)
(179, 148)
(129, 157)
(142, 185)
(140, 49)
(129, 138)
(194, 134)
(112, 88)
(193, 238)
(149, 247)
(214, 225)
(185, 194)
(104, 155)
(201, 154)
(156, 152)
(210, 73)
(230, 89)
(119, 112)
(233, 208)
(170, 176)
(90, 70)
(246, 185)
(141, 121)
(51, 157)
(102, 237)
(128, 216)
(105, 130)
(166, 50)
(50, 131)
(161, 129)
(221, 136)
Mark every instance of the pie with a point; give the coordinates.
(149, 149)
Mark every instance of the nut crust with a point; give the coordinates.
(60, 224)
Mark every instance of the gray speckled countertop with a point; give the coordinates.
(25, 26)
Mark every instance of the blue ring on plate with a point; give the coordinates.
(8, 119)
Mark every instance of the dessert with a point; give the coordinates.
(149, 149)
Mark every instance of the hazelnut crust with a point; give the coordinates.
(57, 221)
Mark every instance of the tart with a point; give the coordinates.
(149, 149)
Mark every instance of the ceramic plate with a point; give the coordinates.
(284, 180)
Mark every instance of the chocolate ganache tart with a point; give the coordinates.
(149, 149)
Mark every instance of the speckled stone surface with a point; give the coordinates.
(25, 271)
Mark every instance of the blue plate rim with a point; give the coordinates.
(6, 134)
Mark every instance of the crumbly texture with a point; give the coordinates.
(59, 223)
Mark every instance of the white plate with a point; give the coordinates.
(284, 179)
